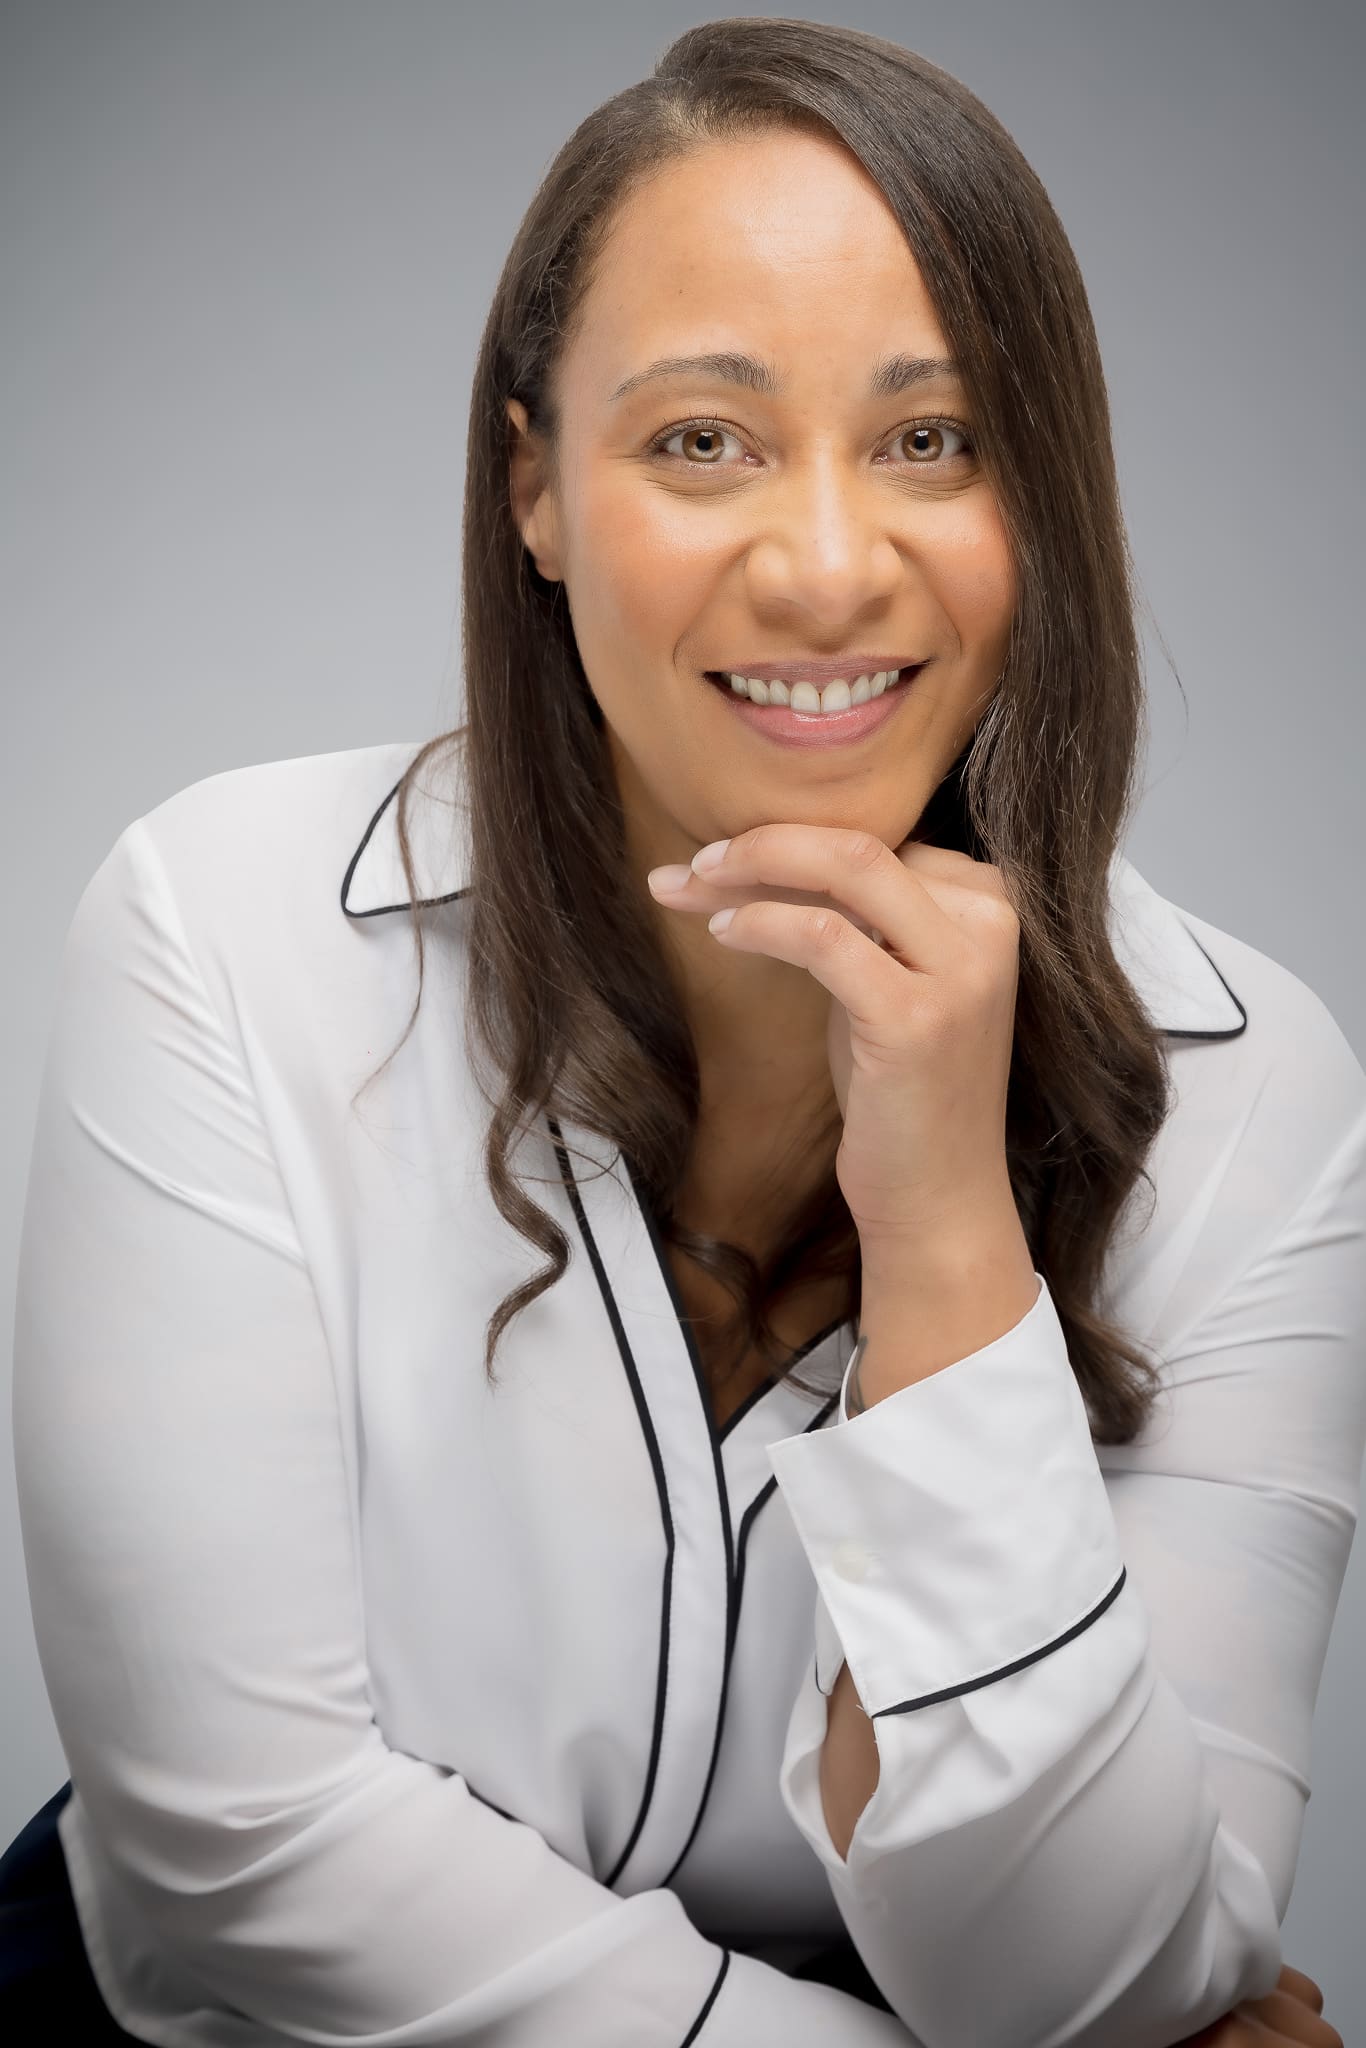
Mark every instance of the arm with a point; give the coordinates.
(191, 1557)
(964, 1296)
(1090, 1675)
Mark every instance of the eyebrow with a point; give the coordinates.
(890, 375)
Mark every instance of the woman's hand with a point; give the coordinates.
(919, 950)
(1292, 2013)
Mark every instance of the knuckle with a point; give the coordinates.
(1000, 913)
(863, 850)
(823, 928)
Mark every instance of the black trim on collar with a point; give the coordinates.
(953, 1692)
(747, 1521)
(1149, 935)
(1234, 1030)
(657, 1464)
(735, 1547)
(722, 1493)
(766, 1387)
(384, 909)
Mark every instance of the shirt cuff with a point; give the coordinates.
(958, 1529)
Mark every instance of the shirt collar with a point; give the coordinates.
(1177, 982)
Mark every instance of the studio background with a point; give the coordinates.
(246, 254)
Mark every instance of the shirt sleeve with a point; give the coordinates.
(1091, 1670)
(195, 1589)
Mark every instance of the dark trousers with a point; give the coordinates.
(47, 1990)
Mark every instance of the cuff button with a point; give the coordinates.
(850, 1560)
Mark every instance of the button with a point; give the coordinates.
(850, 1560)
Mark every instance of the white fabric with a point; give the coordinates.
(404, 1710)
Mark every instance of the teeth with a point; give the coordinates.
(838, 695)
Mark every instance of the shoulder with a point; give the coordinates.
(1266, 1125)
(263, 846)
(236, 882)
(1292, 1065)
(1239, 1027)
(266, 822)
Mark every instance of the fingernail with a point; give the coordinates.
(664, 881)
(719, 920)
(709, 856)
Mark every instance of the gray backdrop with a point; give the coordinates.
(247, 252)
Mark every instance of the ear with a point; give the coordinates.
(533, 505)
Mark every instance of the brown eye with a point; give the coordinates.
(706, 443)
(925, 441)
(703, 442)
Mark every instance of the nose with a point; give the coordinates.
(823, 546)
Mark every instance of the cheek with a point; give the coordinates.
(645, 568)
(974, 576)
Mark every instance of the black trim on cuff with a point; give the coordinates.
(953, 1692)
(698, 2024)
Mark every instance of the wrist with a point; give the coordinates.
(927, 1303)
(952, 1252)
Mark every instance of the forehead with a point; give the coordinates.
(781, 225)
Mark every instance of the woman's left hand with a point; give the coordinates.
(919, 949)
(1291, 2014)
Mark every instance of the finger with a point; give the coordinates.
(1299, 1986)
(973, 892)
(867, 981)
(955, 881)
(1290, 2019)
(946, 864)
(856, 871)
(702, 894)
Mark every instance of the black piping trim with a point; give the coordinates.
(661, 1485)
(751, 1400)
(747, 1520)
(765, 1494)
(712, 1996)
(765, 1387)
(954, 1692)
(760, 1500)
(384, 909)
(489, 1802)
(455, 896)
(735, 1551)
(719, 1475)
(1235, 1030)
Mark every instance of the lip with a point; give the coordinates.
(788, 728)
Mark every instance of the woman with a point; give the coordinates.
(449, 1646)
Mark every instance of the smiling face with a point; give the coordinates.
(822, 508)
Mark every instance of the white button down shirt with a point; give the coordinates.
(405, 1710)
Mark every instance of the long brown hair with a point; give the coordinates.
(569, 992)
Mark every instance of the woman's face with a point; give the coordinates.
(816, 518)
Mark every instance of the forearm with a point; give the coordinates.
(922, 1308)
(978, 1563)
